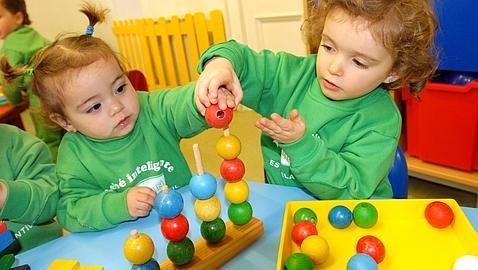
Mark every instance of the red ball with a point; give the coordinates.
(218, 118)
(232, 170)
(175, 229)
(439, 214)
(301, 230)
(372, 246)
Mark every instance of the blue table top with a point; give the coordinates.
(105, 248)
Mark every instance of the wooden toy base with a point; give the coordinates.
(212, 256)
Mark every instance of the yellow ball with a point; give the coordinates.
(236, 192)
(207, 210)
(138, 248)
(316, 248)
(228, 147)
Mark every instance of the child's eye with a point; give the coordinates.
(121, 88)
(327, 48)
(359, 64)
(94, 108)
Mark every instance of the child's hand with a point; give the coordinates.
(217, 73)
(3, 194)
(283, 130)
(140, 200)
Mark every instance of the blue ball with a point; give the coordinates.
(203, 186)
(340, 217)
(149, 265)
(362, 261)
(169, 204)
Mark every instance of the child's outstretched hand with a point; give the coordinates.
(281, 129)
(140, 200)
(218, 73)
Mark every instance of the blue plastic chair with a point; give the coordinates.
(398, 176)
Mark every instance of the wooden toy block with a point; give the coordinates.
(212, 256)
(61, 264)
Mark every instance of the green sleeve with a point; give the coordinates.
(352, 173)
(176, 109)
(13, 89)
(33, 190)
(83, 205)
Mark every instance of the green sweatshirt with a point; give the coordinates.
(95, 175)
(27, 170)
(348, 146)
(19, 47)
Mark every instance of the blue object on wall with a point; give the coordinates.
(457, 36)
(398, 175)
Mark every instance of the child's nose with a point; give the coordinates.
(116, 107)
(335, 66)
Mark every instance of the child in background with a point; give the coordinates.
(20, 43)
(121, 146)
(334, 127)
(28, 188)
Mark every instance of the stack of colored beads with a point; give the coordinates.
(174, 226)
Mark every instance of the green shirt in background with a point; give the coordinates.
(19, 47)
(26, 168)
(349, 145)
(95, 175)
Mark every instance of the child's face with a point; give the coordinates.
(8, 21)
(99, 102)
(350, 63)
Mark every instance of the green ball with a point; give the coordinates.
(240, 213)
(365, 215)
(299, 261)
(213, 231)
(305, 214)
(180, 252)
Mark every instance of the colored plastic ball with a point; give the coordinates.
(181, 252)
(213, 231)
(302, 230)
(218, 118)
(305, 214)
(176, 228)
(138, 248)
(466, 262)
(340, 217)
(298, 261)
(439, 214)
(169, 203)
(149, 265)
(207, 210)
(236, 192)
(232, 170)
(240, 214)
(316, 247)
(361, 261)
(228, 147)
(372, 246)
(365, 215)
(203, 186)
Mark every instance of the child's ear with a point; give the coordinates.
(19, 18)
(62, 122)
(391, 78)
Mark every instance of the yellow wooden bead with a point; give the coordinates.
(228, 147)
(316, 248)
(236, 192)
(207, 210)
(138, 248)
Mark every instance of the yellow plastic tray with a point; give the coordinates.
(410, 241)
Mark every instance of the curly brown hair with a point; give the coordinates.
(406, 28)
(55, 65)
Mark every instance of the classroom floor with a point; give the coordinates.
(243, 127)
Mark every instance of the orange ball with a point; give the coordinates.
(228, 147)
(138, 248)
